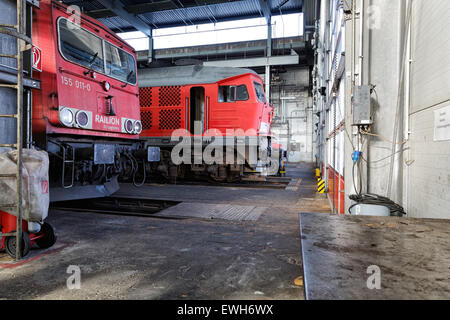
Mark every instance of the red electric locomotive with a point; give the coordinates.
(86, 115)
(204, 103)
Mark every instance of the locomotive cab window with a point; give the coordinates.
(259, 92)
(120, 64)
(233, 93)
(241, 93)
(82, 47)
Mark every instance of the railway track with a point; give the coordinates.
(267, 182)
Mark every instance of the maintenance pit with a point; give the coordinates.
(215, 242)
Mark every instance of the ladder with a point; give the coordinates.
(68, 160)
(17, 31)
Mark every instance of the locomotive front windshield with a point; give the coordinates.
(83, 47)
(260, 92)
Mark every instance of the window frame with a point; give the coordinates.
(235, 93)
(134, 60)
(246, 89)
(255, 83)
(103, 51)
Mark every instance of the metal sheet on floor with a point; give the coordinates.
(213, 211)
(361, 257)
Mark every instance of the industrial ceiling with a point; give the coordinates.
(132, 15)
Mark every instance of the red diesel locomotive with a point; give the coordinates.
(86, 115)
(206, 102)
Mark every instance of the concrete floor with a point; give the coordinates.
(146, 258)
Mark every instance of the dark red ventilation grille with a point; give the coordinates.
(145, 97)
(146, 118)
(169, 119)
(169, 96)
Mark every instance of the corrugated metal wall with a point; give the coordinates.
(429, 170)
(328, 74)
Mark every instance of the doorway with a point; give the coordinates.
(197, 108)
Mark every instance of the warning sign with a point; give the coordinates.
(37, 58)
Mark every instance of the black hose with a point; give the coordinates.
(144, 173)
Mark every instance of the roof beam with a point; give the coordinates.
(246, 47)
(117, 7)
(264, 5)
(255, 62)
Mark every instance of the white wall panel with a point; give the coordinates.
(429, 169)
(429, 172)
(430, 69)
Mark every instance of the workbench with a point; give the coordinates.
(340, 253)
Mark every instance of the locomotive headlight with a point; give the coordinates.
(137, 127)
(129, 126)
(106, 85)
(82, 118)
(66, 117)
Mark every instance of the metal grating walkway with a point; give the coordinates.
(213, 211)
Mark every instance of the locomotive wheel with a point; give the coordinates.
(10, 245)
(49, 237)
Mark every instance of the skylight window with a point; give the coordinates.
(289, 25)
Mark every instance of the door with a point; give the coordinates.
(197, 110)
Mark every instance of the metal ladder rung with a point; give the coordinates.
(8, 145)
(13, 32)
(9, 206)
(8, 234)
(13, 86)
(8, 175)
(4, 25)
(4, 55)
(8, 115)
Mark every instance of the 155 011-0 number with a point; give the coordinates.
(77, 84)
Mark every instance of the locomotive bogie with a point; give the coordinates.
(95, 162)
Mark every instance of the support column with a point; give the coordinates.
(267, 81)
(268, 54)
(150, 47)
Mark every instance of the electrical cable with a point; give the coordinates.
(382, 137)
(382, 159)
(370, 198)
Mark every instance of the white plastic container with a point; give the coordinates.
(370, 210)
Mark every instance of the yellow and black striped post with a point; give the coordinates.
(320, 185)
(317, 173)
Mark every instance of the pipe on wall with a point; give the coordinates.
(361, 43)
(401, 85)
